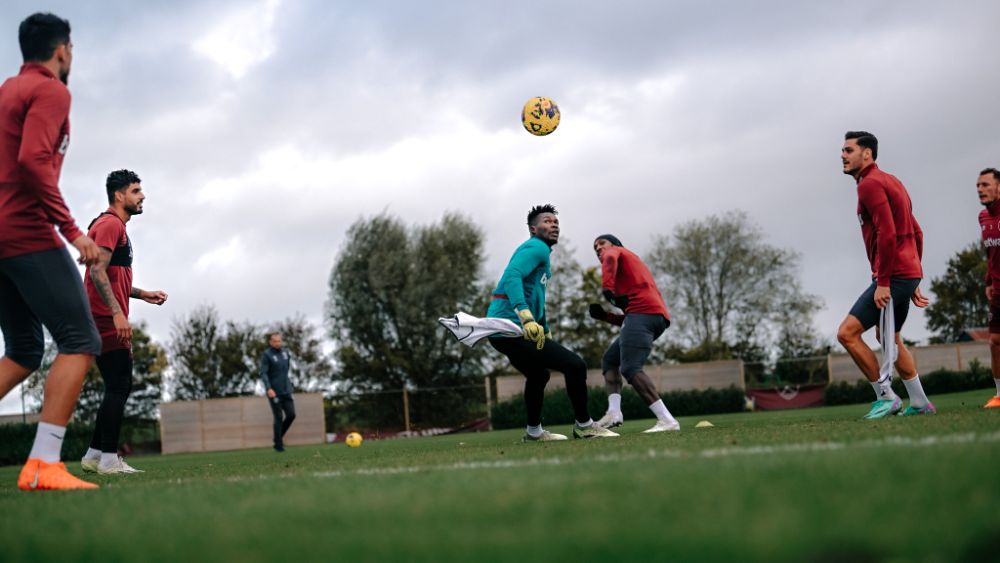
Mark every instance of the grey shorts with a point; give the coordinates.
(44, 288)
(630, 350)
(901, 290)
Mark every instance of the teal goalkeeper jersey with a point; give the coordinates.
(522, 285)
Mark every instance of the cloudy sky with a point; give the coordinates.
(263, 129)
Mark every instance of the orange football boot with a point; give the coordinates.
(38, 475)
(992, 403)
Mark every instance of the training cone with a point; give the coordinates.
(704, 424)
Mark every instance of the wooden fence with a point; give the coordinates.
(236, 423)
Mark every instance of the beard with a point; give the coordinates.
(133, 210)
(64, 76)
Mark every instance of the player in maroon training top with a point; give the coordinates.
(109, 287)
(39, 284)
(988, 186)
(629, 285)
(894, 243)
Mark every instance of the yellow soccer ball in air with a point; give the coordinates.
(354, 440)
(540, 116)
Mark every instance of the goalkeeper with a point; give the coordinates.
(520, 297)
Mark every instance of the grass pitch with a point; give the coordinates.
(804, 485)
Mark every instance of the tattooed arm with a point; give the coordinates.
(156, 297)
(99, 275)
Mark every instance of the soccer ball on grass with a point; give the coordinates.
(353, 440)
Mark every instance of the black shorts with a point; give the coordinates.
(44, 288)
(901, 290)
(632, 347)
(994, 322)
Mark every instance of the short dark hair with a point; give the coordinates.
(40, 34)
(865, 140)
(538, 210)
(994, 171)
(272, 334)
(119, 180)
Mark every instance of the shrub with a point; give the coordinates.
(937, 382)
(143, 436)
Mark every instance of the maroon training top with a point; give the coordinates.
(34, 134)
(625, 274)
(989, 222)
(108, 231)
(893, 239)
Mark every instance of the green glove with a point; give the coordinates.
(532, 330)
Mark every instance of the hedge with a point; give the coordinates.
(938, 382)
(557, 409)
(143, 436)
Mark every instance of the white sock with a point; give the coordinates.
(48, 442)
(661, 412)
(916, 392)
(997, 381)
(534, 431)
(615, 402)
(883, 389)
(92, 454)
(587, 424)
(109, 459)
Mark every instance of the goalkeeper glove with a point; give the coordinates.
(598, 312)
(532, 330)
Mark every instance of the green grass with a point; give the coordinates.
(806, 485)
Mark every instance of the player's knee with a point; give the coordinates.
(290, 418)
(629, 371)
(847, 334)
(538, 378)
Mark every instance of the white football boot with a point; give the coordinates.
(663, 426)
(116, 467)
(89, 464)
(610, 420)
(545, 436)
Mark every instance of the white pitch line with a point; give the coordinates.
(890, 441)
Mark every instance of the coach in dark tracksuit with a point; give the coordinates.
(274, 363)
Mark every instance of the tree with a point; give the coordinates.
(387, 289)
(730, 292)
(149, 361)
(959, 295)
(211, 359)
(388, 286)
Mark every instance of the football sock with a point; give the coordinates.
(48, 442)
(587, 424)
(916, 392)
(108, 459)
(534, 431)
(883, 389)
(997, 381)
(661, 412)
(615, 401)
(92, 454)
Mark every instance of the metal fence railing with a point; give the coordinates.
(406, 411)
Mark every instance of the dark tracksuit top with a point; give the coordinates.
(274, 366)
